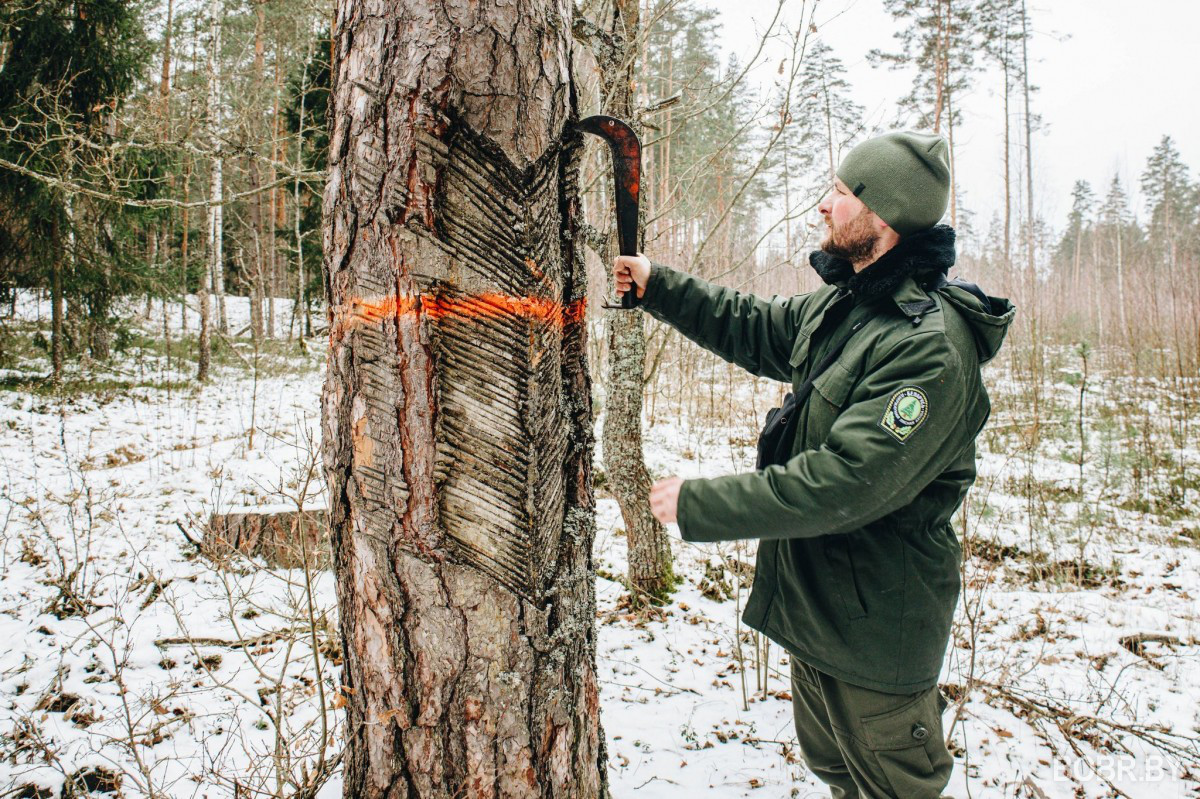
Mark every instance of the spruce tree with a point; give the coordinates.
(1069, 253)
(70, 68)
(1170, 198)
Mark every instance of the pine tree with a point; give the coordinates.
(1069, 253)
(825, 98)
(1172, 200)
(681, 59)
(939, 40)
(1114, 215)
(1002, 39)
(457, 412)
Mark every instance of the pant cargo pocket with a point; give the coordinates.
(907, 745)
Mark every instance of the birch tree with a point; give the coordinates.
(650, 573)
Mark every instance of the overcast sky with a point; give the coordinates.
(1113, 78)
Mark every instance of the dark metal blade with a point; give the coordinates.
(627, 168)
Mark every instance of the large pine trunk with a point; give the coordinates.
(457, 405)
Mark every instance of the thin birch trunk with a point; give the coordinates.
(216, 233)
(650, 573)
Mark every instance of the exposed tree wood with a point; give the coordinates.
(274, 536)
(456, 408)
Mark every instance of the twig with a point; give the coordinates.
(192, 541)
(1033, 788)
(76, 188)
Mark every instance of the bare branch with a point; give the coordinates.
(71, 187)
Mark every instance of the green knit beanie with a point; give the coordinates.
(903, 177)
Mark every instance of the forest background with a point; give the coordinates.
(165, 151)
(161, 175)
(162, 151)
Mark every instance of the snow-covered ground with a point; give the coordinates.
(130, 659)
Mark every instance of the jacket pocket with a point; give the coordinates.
(800, 349)
(835, 384)
(831, 392)
(845, 584)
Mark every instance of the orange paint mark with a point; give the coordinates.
(478, 307)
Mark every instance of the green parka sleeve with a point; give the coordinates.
(862, 472)
(746, 330)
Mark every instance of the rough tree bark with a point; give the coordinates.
(457, 407)
(650, 572)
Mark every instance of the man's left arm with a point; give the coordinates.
(882, 450)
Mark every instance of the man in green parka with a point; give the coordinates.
(858, 565)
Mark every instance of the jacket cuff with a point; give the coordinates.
(694, 526)
(660, 275)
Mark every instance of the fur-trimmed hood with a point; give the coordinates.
(926, 252)
(923, 255)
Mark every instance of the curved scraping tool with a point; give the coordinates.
(627, 169)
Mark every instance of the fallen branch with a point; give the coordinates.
(192, 541)
(239, 643)
(1101, 734)
(1136, 644)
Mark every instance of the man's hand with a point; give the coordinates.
(664, 499)
(630, 269)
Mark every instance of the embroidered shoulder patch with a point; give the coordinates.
(906, 411)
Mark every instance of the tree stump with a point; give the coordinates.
(280, 535)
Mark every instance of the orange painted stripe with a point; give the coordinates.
(478, 307)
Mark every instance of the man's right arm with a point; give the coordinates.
(754, 333)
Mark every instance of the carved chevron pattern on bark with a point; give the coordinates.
(499, 393)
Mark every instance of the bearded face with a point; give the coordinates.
(854, 240)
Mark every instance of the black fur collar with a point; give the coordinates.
(926, 251)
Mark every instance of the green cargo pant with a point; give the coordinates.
(868, 744)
